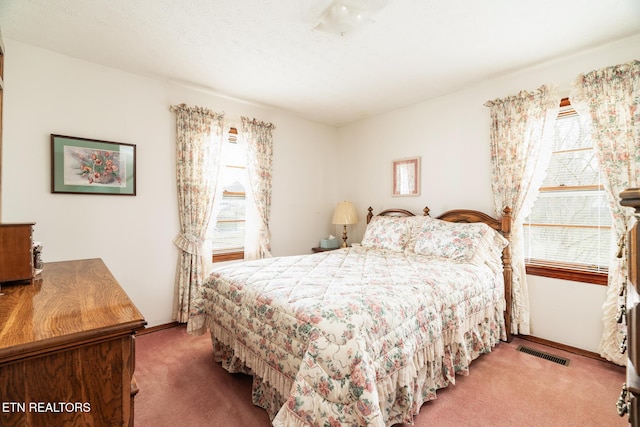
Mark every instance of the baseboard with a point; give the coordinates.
(531, 338)
(158, 328)
(564, 347)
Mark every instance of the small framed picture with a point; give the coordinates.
(406, 177)
(91, 166)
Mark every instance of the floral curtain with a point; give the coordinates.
(258, 137)
(612, 98)
(520, 139)
(198, 142)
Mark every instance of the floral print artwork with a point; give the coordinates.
(350, 337)
(90, 166)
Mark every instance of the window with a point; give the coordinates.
(568, 233)
(228, 231)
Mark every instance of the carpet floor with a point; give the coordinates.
(180, 385)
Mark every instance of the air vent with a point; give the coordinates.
(541, 354)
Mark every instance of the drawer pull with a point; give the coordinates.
(622, 405)
(623, 345)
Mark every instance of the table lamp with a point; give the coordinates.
(345, 214)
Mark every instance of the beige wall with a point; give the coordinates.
(451, 134)
(49, 93)
(314, 167)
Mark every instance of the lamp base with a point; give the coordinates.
(344, 236)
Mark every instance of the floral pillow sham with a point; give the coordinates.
(474, 243)
(459, 242)
(386, 233)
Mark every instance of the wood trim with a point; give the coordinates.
(574, 150)
(229, 256)
(572, 188)
(566, 273)
(535, 224)
(28, 350)
(631, 198)
(564, 347)
(469, 216)
(157, 328)
(394, 212)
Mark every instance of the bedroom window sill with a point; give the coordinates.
(559, 271)
(229, 256)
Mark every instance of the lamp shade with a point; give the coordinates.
(345, 213)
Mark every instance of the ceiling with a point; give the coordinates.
(267, 51)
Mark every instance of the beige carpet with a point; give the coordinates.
(181, 386)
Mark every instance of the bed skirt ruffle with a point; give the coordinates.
(398, 394)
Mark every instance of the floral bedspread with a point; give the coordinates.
(350, 337)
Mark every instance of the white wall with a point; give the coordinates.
(49, 93)
(451, 134)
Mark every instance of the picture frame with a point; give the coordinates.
(406, 177)
(92, 166)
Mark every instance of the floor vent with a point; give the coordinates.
(556, 359)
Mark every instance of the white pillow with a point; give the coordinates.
(489, 251)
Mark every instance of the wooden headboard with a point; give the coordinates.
(394, 212)
(503, 225)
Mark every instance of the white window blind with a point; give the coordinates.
(570, 223)
(228, 232)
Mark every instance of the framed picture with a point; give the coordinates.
(91, 166)
(406, 177)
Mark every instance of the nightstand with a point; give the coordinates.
(318, 249)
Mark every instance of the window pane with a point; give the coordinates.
(571, 133)
(234, 154)
(571, 208)
(231, 208)
(568, 225)
(228, 230)
(589, 246)
(231, 179)
(228, 235)
(572, 168)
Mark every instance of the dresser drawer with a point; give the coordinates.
(16, 252)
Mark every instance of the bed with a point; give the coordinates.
(363, 335)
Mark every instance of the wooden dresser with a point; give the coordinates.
(67, 348)
(630, 399)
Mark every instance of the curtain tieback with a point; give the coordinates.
(189, 243)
